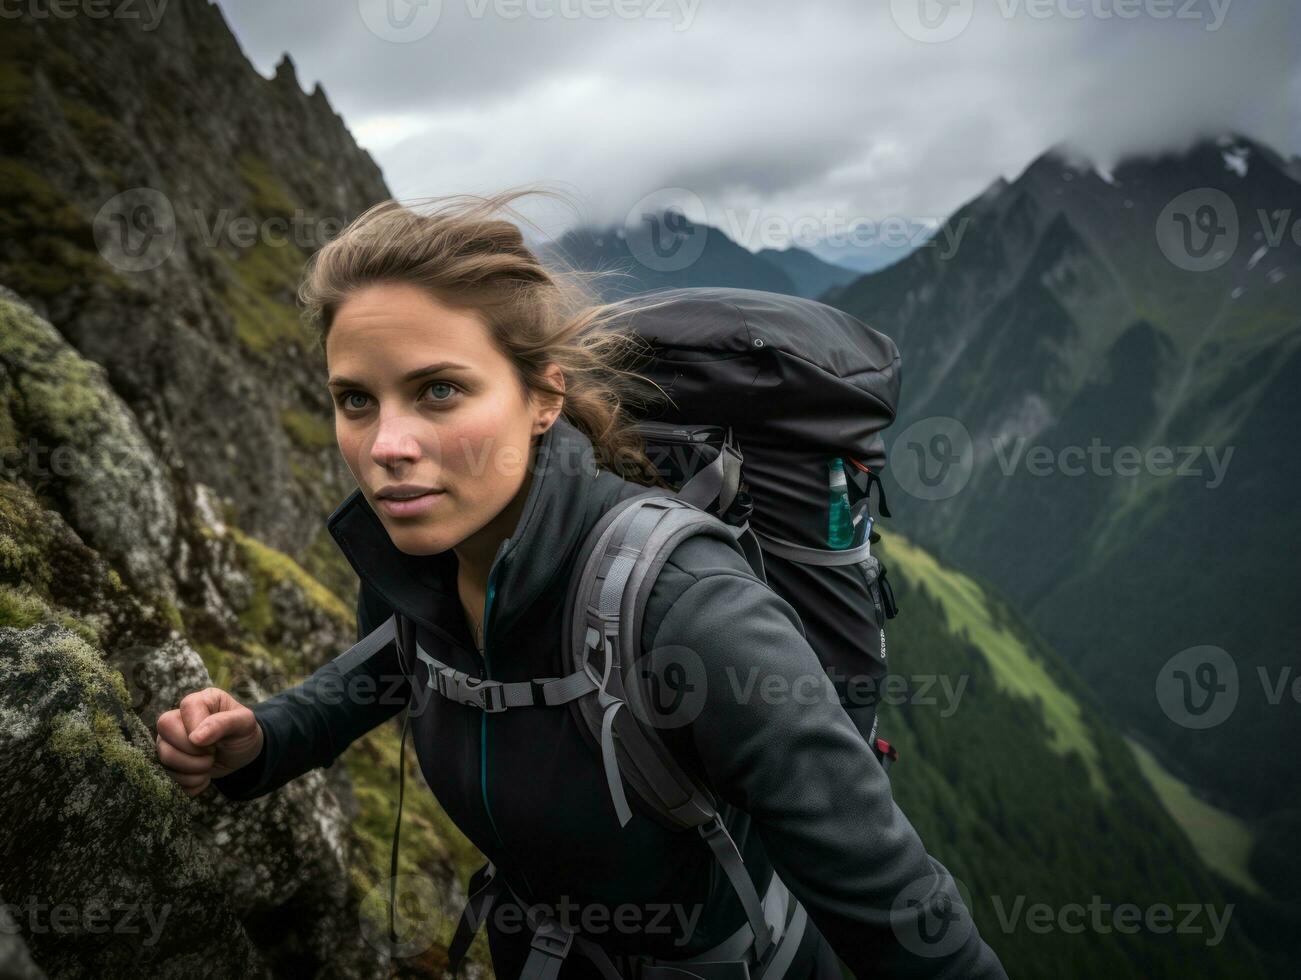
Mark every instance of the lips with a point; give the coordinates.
(406, 500)
(405, 491)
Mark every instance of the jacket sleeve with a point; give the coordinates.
(308, 725)
(776, 743)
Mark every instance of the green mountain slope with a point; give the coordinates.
(1222, 840)
(1033, 802)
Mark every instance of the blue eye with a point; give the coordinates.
(348, 403)
(451, 388)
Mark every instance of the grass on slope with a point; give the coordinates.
(1015, 670)
(1222, 840)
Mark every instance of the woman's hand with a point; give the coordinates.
(208, 736)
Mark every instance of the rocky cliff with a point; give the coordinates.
(167, 466)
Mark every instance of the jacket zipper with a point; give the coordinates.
(526, 885)
(483, 720)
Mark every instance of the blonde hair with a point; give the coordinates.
(466, 256)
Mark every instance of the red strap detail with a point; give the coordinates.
(862, 466)
(886, 749)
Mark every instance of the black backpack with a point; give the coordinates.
(768, 392)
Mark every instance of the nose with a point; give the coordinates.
(396, 442)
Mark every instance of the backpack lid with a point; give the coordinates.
(780, 370)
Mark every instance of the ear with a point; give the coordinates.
(549, 406)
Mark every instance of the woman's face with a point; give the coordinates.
(431, 418)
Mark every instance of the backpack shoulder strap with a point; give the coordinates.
(616, 572)
(601, 617)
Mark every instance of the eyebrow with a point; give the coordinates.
(341, 382)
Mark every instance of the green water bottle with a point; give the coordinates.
(840, 522)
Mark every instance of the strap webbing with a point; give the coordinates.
(397, 829)
(376, 639)
(813, 556)
(485, 886)
(748, 539)
(552, 942)
(717, 481)
(493, 696)
(716, 835)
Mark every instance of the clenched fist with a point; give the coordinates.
(210, 735)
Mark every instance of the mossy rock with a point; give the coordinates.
(308, 430)
(90, 454)
(259, 291)
(59, 250)
(106, 832)
(47, 574)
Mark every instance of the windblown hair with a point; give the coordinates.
(468, 257)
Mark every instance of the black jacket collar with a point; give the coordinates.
(563, 501)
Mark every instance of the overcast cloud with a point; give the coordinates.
(822, 111)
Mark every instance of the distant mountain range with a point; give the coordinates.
(871, 255)
(1101, 386)
(669, 251)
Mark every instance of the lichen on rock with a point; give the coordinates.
(109, 829)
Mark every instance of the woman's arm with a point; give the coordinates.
(774, 742)
(308, 725)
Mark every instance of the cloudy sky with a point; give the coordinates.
(779, 118)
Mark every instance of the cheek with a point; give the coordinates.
(349, 443)
(485, 457)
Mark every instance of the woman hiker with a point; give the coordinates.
(485, 420)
